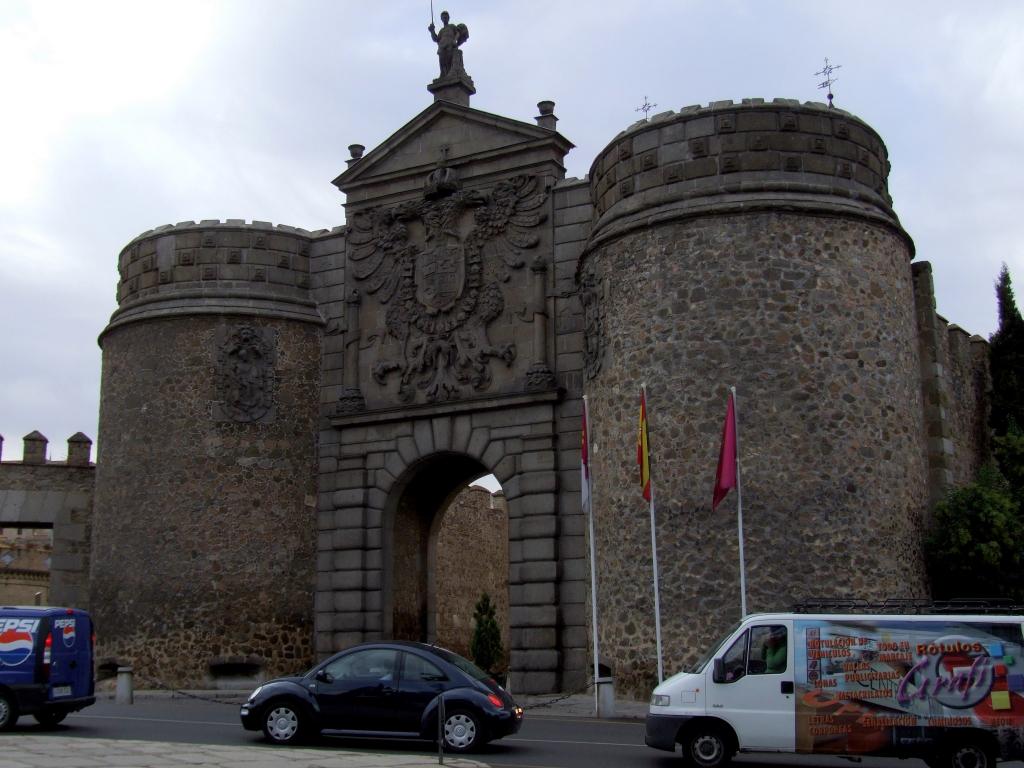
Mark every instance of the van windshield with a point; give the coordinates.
(699, 666)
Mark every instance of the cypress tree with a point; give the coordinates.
(1006, 360)
(486, 643)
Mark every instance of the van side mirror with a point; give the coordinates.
(718, 671)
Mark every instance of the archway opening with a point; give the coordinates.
(449, 546)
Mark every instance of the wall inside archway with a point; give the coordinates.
(471, 559)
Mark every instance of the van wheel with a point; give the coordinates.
(707, 746)
(50, 718)
(8, 712)
(967, 753)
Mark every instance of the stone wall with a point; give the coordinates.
(207, 465)
(472, 559)
(798, 291)
(58, 495)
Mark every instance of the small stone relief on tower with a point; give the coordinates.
(592, 295)
(246, 377)
(437, 265)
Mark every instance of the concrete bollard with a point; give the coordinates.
(605, 697)
(124, 693)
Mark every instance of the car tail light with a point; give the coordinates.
(495, 700)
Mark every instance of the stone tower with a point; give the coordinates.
(204, 525)
(752, 245)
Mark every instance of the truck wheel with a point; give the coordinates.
(49, 718)
(707, 746)
(8, 711)
(967, 753)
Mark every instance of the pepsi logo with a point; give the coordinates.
(15, 647)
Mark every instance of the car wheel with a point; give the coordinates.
(49, 718)
(462, 731)
(284, 722)
(967, 753)
(8, 712)
(707, 747)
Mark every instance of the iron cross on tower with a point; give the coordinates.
(826, 72)
(645, 107)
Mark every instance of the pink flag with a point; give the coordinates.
(725, 477)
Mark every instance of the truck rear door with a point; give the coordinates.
(70, 656)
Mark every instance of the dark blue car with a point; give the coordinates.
(386, 690)
(46, 663)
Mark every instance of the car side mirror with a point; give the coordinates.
(324, 676)
(718, 671)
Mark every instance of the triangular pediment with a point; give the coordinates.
(459, 134)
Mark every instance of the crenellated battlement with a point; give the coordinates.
(216, 266)
(34, 447)
(782, 155)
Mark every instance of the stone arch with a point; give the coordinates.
(380, 456)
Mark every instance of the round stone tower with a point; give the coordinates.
(203, 560)
(749, 245)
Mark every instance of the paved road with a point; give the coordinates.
(545, 741)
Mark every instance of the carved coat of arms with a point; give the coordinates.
(438, 265)
(246, 380)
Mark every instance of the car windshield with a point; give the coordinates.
(699, 666)
(465, 665)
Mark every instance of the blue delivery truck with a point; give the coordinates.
(46, 663)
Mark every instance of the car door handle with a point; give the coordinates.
(387, 690)
(786, 686)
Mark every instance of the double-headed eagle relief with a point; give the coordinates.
(438, 265)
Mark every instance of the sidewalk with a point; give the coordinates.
(23, 751)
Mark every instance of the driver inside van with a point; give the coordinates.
(773, 652)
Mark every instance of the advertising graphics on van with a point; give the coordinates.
(867, 686)
(66, 629)
(17, 638)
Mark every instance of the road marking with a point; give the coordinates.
(561, 741)
(148, 719)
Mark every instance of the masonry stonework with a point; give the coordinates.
(286, 414)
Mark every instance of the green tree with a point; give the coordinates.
(1006, 360)
(973, 548)
(486, 644)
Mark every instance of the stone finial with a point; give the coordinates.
(34, 451)
(356, 152)
(546, 118)
(79, 450)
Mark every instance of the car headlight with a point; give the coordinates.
(255, 693)
(661, 700)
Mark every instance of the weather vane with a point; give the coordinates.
(645, 107)
(826, 72)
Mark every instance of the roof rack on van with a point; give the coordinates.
(909, 605)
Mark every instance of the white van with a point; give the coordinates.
(948, 689)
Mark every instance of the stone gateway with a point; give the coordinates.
(286, 415)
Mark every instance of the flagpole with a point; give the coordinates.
(654, 561)
(739, 506)
(593, 552)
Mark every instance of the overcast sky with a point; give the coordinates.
(122, 116)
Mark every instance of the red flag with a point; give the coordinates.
(643, 453)
(725, 477)
(584, 463)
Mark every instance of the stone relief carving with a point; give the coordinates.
(438, 264)
(246, 380)
(592, 296)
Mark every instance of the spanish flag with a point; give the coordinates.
(643, 450)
